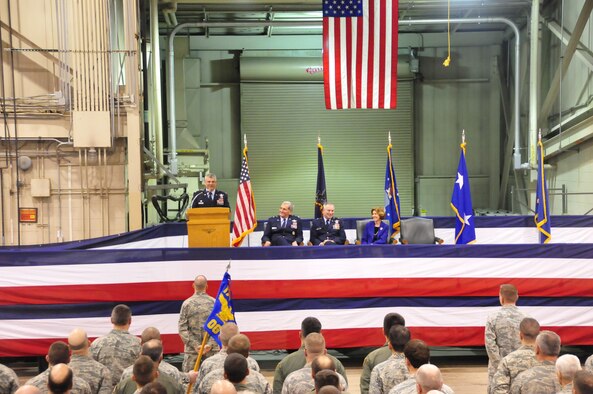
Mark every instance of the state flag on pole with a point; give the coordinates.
(222, 311)
(461, 203)
(392, 206)
(542, 210)
(360, 53)
(321, 190)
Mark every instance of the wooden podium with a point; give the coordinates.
(208, 227)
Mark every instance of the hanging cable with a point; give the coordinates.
(447, 61)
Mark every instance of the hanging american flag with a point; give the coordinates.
(360, 53)
(245, 221)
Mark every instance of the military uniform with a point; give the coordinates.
(79, 386)
(301, 381)
(566, 389)
(280, 235)
(388, 374)
(501, 337)
(194, 312)
(408, 386)
(511, 366)
(164, 369)
(332, 230)
(128, 386)
(217, 362)
(116, 350)
(373, 359)
(93, 372)
(255, 381)
(9, 382)
(540, 379)
(296, 361)
(203, 199)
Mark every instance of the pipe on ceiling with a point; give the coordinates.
(171, 64)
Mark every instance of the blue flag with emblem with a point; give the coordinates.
(461, 203)
(542, 210)
(222, 311)
(392, 207)
(321, 191)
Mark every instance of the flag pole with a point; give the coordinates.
(389, 137)
(198, 360)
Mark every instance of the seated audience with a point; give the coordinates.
(285, 229)
(327, 230)
(375, 232)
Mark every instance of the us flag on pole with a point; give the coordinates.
(245, 221)
(360, 53)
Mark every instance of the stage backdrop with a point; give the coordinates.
(445, 292)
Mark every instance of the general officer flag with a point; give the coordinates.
(392, 207)
(222, 311)
(320, 191)
(461, 203)
(542, 210)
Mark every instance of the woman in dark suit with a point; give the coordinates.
(375, 231)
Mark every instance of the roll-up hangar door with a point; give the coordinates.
(282, 114)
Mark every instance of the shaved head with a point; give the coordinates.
(78, 340)
(227, 331)
(60, 379)
(200, 283)
(429, 377)
(223, 387)
(28, 389)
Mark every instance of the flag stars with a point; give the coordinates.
(459, 180)
(466, 218)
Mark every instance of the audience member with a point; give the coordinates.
(428, 377)
(393, 371)
(296, 360)
(541, 379)
(502, 330)
(417, 354)
(301, 381)
(118, 349)
(153, 388)
(566, 367)
(381, 354)
(83, 366)
(583, 382)
(58, 353)
(519, 360)
(9, 382)
(227, 331)
(223, 387)
(236, 371)
(59, 380)
(150, 333)
(325, 377)
(194, 312)
(327, 230)
(285, 229)
(238, 344)
(27, 389)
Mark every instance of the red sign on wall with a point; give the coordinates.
(28, 215)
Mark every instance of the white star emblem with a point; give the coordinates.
(459, 180)
(466, 218)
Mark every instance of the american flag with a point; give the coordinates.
(360, 53)
(245, 221)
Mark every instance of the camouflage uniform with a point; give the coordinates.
(255, 381)
(294, 362)
(194, 312)
(540, 379)
(128, 386)
(93, 372)
(79, 386)
(566, 389)
(164, 369)
(9, 382)
(217, 362)
(501, 337)
(301, 381)
(409, 387)
(388, 374)
(373, 359)
(511, 366)
(116, 350)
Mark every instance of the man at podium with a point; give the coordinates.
(210, 197)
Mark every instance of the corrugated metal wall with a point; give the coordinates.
(282, 122)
